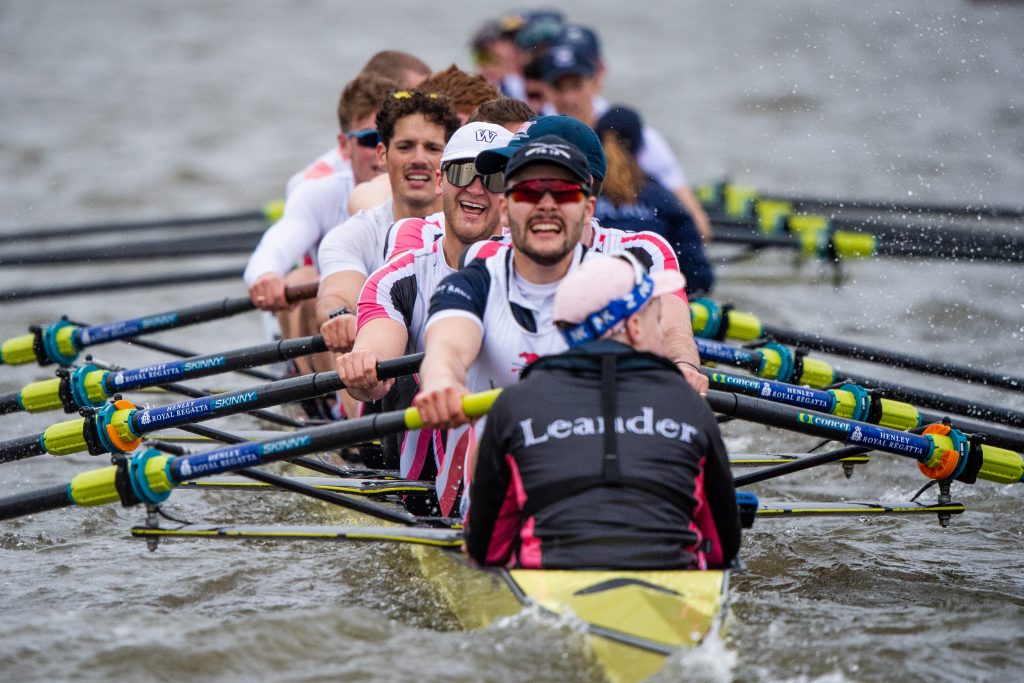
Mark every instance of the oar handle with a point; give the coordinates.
(301, 292)
(31, 502)
(404, 365)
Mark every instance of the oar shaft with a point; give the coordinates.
(21, 447)
(839, 347)
(209, 245)
(798, 465)
(106, 286)
(32, 502)
(91, 229)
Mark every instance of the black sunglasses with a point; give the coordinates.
(462, 173)
(367, 137)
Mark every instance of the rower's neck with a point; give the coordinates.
(401, 209)
(540, 274)
(452, 249)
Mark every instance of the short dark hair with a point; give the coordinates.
(502, 111)
(363, 96)
(436, 109)
(395, 65)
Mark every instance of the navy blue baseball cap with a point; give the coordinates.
(539, 26)
(582, 37)
(566, 127)
(553, 150)
(626, 123)
(568, 60)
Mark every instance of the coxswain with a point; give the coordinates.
(603, 457)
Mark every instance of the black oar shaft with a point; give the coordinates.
(32, 502)
(799, 465)
(966, 210)
(185, 353)
(106, 286)
(91, 229)
(208, 245)
(21, 447)
(839, 347)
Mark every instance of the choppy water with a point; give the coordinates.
(124, 111)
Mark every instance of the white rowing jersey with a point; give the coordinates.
(400, 291)
(651, 249)
(357, 244)
(326, 164)
(310, 212)
(516, 318)
(412, 234)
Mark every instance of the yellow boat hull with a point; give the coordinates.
(633, 619)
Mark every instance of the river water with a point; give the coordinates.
(143, 110)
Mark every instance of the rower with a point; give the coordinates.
(634, 200)
(491, 318)
(574, 75)
(402, 69)
(394, 301)
(603, 456)
(651, 249)
(414, 127)
(310, 212)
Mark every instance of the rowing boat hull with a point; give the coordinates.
(633, 619)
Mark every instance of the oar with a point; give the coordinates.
(91, 386)
(118, 427)
(832, 244)
(207, 245)
(778, 362)
(726, 196)
(855, 402)
(270, 213)
(149, 476)
(107, 286)
(713, 321)
(941, 452)
(60, 342)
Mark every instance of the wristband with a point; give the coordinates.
(341, 310)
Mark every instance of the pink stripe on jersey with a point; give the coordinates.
(375, 298)
(506, 525)
(656, 246)
(318, 170)
(704, 524)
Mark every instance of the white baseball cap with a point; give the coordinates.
(474, 138)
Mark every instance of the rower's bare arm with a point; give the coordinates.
(689, 200)
(378, 340)
(338, 290)
(452, 344)
(679, 344)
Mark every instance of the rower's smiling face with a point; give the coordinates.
(546, 231)
(412, 158)
(471, 213)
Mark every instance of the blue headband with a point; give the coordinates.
(599, 322)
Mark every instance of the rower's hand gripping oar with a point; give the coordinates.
(61, 341)
(118, 427)
(89, 386)
(149, 476)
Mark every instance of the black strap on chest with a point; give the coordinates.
(610, 476)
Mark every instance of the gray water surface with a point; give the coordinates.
(121, 111)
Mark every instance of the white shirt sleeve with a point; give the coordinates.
(311, 210)
(657, 159)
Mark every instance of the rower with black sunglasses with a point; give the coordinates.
(394, 301)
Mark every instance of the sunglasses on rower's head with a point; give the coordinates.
(367, 137)
(462, 173)
(562, 191)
